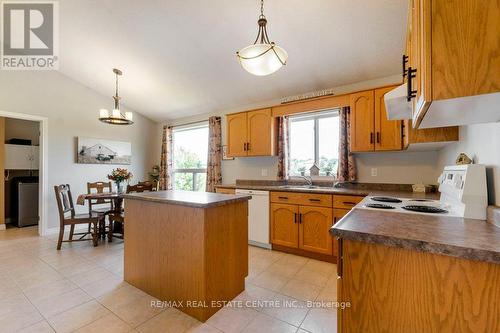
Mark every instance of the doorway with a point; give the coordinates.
(23, 162)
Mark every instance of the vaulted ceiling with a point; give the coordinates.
(178, 56)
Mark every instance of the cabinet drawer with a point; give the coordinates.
(224, 190)
(306, 199)
(346, 201)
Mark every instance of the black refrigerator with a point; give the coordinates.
(24, 201)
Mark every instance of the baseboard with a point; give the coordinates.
(300, 252)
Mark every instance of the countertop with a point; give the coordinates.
(188, 198)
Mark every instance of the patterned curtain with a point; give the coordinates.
(283, 148)
(166, 159)
(214, 170)
(347, 166)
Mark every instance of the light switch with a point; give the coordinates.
(263, 172)
(374, 172)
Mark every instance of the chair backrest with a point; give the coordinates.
(64, 201)
(140, 187)
(99, 187)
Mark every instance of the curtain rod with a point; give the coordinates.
(190, 123)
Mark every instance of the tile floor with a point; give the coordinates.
(81, 289)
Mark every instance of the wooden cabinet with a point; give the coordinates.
(236, 134)
(224, 190)
(432, 136)
(338, 214)
(251, 133)
(370, 129)
(297, 198)
(314, 229)
(362, 121)
(284, 225)
(428, 292)
(453, 52)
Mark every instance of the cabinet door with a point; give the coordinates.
(18, 157)
(236, 134)
(388, 133)
(362, 121)
(284, 225)
(314, 229)
(35, 157)
(337, 215)
(260, 133)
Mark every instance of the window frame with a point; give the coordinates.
(316, 116)
(193, 171)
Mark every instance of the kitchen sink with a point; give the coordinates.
(303, 187)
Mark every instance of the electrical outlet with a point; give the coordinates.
(374, 172)
(263, 172)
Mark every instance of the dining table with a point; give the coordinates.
(117, 207)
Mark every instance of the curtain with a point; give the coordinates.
(347, 166)
(214, 163)
(283, 148)
(166, 159)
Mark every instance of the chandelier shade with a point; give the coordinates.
(263, 57)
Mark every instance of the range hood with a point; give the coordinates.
(397, 105)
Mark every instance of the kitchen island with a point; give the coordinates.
(187, 248)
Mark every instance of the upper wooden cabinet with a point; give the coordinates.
(251, 133)
(370, 130)
(454, 52)
(434, 137)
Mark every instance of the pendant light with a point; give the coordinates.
(116, 117)
(263, 57)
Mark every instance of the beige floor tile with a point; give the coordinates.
(287, 309)
(53, 305)
(121, 296)
(169, 321)
(16, 313)
(283, 269)
(232, 320)
(264, 323)
(136, 310)
(104, 286)
(270, 281)
(48, 290)
(301, 290)
(109, 323)
(320, 321)
(37, 278)
(323, 267)
(313, 277)
(40, 327)
(77, 268)
(290, 259)
(8, 287)
(85, 278)
(77, 317)
(203, 328)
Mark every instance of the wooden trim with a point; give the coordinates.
(303, 253)
(2, 171)
(311, 105)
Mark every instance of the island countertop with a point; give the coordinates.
(188, 198)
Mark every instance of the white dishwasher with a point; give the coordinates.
(258, 218)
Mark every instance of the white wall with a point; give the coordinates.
(72, 111)
(481, 142)
(400, 167)
(22, 129)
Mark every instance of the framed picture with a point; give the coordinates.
(224, 154)
(100, 151)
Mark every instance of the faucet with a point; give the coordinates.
(307, 179)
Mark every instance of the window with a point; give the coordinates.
(190, 153)
(314, 139)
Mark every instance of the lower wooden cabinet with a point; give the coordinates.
(224, 190)
(302, 227)
(337, 215)
(284, 225)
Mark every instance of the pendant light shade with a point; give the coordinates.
(116, 117)
(263, 57)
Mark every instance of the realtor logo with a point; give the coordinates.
(29, 35)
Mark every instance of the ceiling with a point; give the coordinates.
(178, 57)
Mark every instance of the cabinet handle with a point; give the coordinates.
(248, 145)
(350, 203)
(378, 137)
(295, 218)
(405, 61)
(334, 219)
(300, 218)
(371, 137)
(412, 73)
(315, 200)
(245, 146)
(340, 257)
(284, 198)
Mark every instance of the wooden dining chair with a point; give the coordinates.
(118, 230)
(100, 205)
(68, 217)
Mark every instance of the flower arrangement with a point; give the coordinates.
(119, 175)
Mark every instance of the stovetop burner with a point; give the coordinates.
(387, 199)
(379, 206)
(425, 209)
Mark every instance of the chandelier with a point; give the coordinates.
(262, 57)
(116, 117)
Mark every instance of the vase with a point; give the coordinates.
(120, 187)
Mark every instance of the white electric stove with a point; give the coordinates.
(463, 194)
